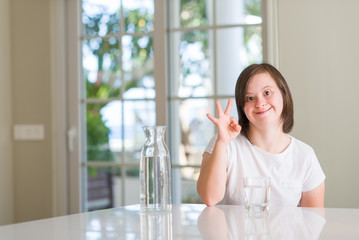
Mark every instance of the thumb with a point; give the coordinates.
(234, 124)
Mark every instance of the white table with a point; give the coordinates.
(193, 221)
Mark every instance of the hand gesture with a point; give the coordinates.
(227, 126)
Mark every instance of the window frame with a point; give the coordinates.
(75, 130)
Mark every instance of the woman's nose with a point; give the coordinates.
(260, 102)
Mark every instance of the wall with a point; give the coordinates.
(6, 181)
(31, 104)
(318, 46)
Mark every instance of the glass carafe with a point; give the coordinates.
(155, 172)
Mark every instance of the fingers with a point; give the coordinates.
(220, 113)
(234, 121)
(213, 119)
(229, 107)
(234, 124)
(219, 108)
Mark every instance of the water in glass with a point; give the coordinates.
(256, 193)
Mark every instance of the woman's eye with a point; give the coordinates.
(266, 93)
(250, 99)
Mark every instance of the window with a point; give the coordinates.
(210, 44)
(118, 97)
(124, 86)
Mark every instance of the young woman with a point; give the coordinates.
(259, 145)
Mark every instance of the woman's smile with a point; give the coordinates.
(263, 112)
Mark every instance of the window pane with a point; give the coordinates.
(137, 115)
(105, 130)
(99, 131)
(253, 44)
(191, 70)
(190, 13)
(138, 15)
(238, 12)
(112, 118)
(237, 48)
(100, 17)
(117, 187)
(189, 177)
(127, 192)
(100, 61)
(132, 186)
(106, 189)
(191, 130)
(138, 67)
(99, 188)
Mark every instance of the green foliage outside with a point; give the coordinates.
(105, 87)
(193, 15)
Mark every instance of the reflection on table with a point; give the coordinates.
(233, 222)
(193, 221)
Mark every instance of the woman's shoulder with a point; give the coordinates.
(240, 140)
(238, 144)
(301, 146)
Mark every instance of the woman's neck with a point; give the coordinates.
(272, 140)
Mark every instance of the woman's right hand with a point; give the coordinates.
(211, 184)
(227, 126)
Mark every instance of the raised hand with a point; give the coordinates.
(227, 126)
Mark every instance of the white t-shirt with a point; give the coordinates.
(291, 172)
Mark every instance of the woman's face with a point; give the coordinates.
(264, 102)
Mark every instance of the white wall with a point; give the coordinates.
(31, 104)
(6, 181)
(27, 182)
(319, 57)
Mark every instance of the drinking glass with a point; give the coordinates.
(256, 193)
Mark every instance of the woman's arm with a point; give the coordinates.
(314, 198)
(211, 184)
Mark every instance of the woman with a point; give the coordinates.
(259, 145)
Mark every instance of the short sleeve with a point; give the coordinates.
(314, 175)
(211, 144)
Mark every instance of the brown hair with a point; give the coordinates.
(241, 88)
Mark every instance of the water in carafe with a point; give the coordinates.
(155, 172)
